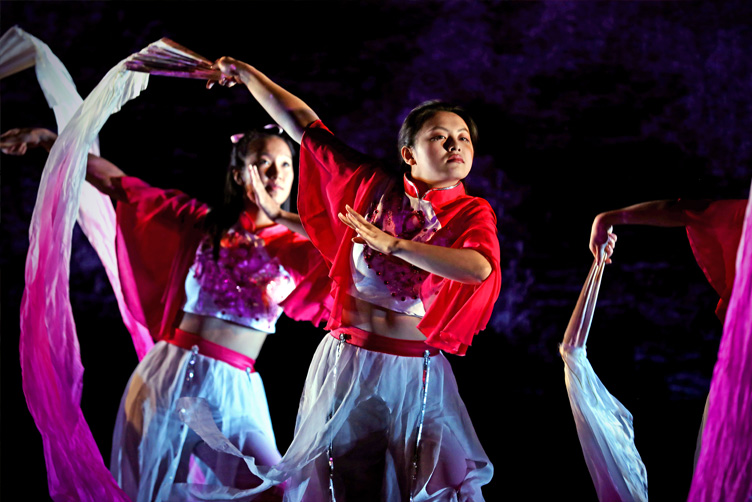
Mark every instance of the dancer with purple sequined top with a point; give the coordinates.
(210, 285)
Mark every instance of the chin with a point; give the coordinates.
(459, 173)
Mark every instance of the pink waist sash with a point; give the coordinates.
(384, 344)
(187, 341)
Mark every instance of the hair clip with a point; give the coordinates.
(277, 128)
(270, 128)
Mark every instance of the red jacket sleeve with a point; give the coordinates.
(459, 311)
(310, 300)
(156, 228)
(331, 175)
(714, 234)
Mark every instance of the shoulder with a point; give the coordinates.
(320, 143)
(315, 134)
(476, 207)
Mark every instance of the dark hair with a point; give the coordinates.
(421, 114)
(221, 218)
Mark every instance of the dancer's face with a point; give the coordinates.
(442, 152)
(273, 158)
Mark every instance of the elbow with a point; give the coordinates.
(480, 273)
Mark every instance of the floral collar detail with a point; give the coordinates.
(436, 196)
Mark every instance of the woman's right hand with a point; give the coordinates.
(18, 141)
(261, 197)
(231, 70)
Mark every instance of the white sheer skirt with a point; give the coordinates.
(154, 454)
(374, 401)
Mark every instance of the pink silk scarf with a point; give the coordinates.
(49, 350)
(724, 469)
(96, 216)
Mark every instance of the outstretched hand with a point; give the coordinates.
(18, 141)
(230, 69)
(602, 239)
(368, 233)
(261, 197)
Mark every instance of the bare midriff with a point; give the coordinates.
(381, 321)
(242, 339)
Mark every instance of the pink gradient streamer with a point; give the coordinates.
(96, 216)
(49, 350)
(724, 469)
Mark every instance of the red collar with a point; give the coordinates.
(436, 196)
(247, 222)
(250, 226)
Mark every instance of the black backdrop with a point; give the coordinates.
(582, 107)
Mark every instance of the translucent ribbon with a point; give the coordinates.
(724, 469)
(96, 216)
(50, 356)
(419, 430)
(330, 447)
(604, 425)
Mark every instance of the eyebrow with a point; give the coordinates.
(447, 130)
(268, 154)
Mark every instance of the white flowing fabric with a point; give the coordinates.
(153, 451)
(96, 217)
(365, 404)
(604, 425)
(50, 356)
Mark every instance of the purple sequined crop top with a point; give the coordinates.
(244, 286)
(385, 280)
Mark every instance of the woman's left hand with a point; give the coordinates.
(368, 233)
(261, 197)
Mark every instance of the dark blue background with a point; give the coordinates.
(582, 107)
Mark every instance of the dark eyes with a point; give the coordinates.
(441, 137)
(263, 162)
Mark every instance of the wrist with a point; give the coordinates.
(609, 218)
(397, 246)
(47, 138)
(244, 72)
(280, 214)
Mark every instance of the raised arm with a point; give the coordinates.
(286, 109)
(659, 213)
(100, 172)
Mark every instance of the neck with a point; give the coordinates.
(259, 218)
(423, 186)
